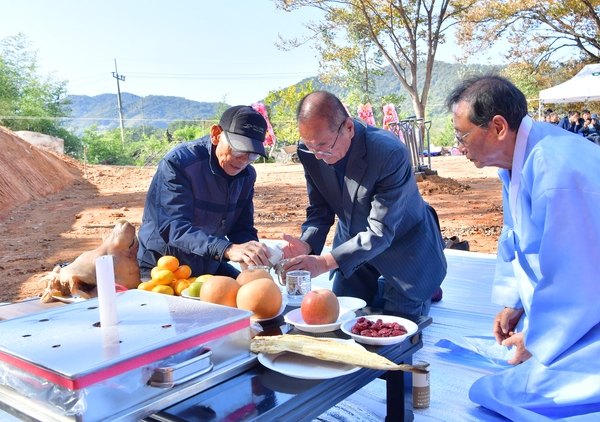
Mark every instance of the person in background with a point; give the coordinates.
(547, 262)
(199, 206)
(553, 118)
(591, 129)
(571, 122)
(364, 176)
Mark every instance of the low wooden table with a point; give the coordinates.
(261, 394)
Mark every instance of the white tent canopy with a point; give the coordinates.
(585, 86)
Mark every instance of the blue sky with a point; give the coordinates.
(203, 50)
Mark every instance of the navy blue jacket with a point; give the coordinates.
(194, 210)
(382, 217)
(566, 124)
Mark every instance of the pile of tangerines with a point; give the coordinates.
(254, 289)
(168, 277)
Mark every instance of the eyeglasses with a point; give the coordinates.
(250, 156)
(459, 139)
(324, 153)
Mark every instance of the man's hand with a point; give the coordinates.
(505, 323)
(294, 247)
(316, 264)
(249, 253)
(522, 354)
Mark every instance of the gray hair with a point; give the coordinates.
(490, 96)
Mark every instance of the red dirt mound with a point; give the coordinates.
(28, 173)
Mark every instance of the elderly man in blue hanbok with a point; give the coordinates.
(548, 266)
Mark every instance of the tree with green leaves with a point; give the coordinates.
(28, 100)
(549, 41)
(405, 33)
(353, 66)
(538, 32)
(281, 107)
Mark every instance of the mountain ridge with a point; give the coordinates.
(160, 110)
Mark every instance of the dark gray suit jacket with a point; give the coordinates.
(382, 218)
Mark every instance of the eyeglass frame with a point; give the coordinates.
(250, 156)
(308, 150)
(459, 139)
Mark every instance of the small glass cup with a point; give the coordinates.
(297, 284)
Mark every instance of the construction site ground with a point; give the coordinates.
(53, 208)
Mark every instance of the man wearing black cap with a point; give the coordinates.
(199, 206)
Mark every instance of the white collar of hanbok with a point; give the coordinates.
(517, 164)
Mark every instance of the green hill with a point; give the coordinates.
(155, 110)
(159, 111)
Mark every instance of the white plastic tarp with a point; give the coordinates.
(585, 86)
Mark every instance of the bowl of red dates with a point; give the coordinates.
(379, 330)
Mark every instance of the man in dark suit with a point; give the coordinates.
(363, 176)
(571, 122)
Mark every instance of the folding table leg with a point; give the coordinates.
(399, 398)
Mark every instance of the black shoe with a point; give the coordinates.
(455, 243)
(450, 241)
(437, 296)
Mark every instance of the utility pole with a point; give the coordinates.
(119, 78)
(143, 118)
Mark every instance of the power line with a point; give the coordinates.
(212, 76)
(103, 119)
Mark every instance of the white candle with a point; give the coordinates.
(107, 296)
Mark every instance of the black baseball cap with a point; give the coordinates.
(245, 129)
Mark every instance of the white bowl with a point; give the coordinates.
(295, 318)
(410, 326)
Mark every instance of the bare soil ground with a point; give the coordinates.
(48, 229)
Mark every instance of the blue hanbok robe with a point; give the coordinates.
(549, 264)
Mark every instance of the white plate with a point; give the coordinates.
(69, 299)
(351, 303)
(410, 326)
(295, 318)
(305, 367)
(267, 319)
(185, 293)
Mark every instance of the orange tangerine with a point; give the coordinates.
(182, 272)
(168, 262)
(163, 277)
(180, 286)
(166, 290)
(146, 285)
